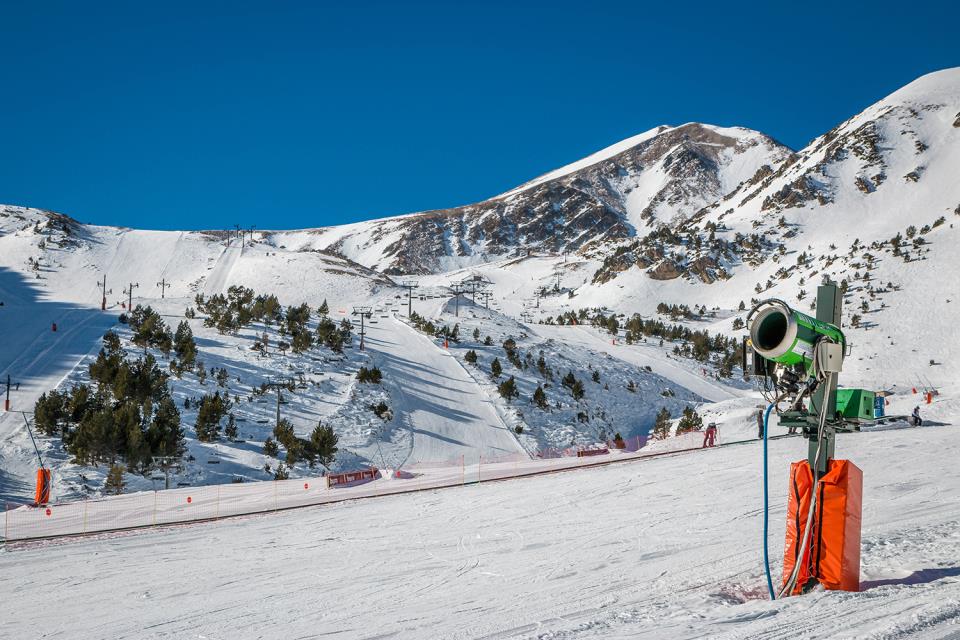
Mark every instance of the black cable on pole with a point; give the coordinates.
(30, 431)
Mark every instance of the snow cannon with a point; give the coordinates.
(786, 336)
(797, 360)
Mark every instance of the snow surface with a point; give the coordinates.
(663, 548)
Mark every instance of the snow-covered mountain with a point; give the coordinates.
(693, 215)
(657, 178)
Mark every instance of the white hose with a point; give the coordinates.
(792, 580)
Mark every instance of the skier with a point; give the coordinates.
(917, 420)
(760, 424)
(710, 435)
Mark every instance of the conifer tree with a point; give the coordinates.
(690, 421)
(661, 426)
(495, 368)
(540, 398)
(323, 441)
(508, 389)
(114, 483)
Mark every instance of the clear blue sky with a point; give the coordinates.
(282, 114)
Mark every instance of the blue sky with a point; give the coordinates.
(280, 114)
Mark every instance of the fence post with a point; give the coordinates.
(6, 521)
(276, 501)
(85, 503)
(218, 502)
(155, 495)
(479, 464)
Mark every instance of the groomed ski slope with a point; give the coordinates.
(443, 408)
(37, 358)
(665, 548)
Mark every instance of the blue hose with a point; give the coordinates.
(766, 512)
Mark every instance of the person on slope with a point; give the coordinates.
(710, 435)
(917, 420)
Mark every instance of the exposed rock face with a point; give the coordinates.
(667, 175)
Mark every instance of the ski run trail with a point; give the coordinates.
(447, 414)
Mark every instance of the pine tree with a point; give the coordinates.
(471, 356)
(577, 390)
(115, 483)
(661, 426)
(508, 389)
(495, 368)
(540, 398)
(323, 309)
(324, 443)
(211, 412)
(164, 435)
(690, 421)
(270, 448)
(476, 334)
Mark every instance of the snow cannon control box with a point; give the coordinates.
(856, 405)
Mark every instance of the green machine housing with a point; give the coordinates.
(855, 405)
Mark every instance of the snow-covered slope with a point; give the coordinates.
(438, 411)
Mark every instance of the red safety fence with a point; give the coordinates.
(189, 504)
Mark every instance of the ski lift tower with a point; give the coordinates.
(363, 312)
(104, 291)
(279, 386)
(474, 284)
(165, 462)
(456, 288)
(410, 285)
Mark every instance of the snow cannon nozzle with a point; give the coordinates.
(786, 336)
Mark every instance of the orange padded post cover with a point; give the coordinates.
(43, 487)
(833, 553)
(837, 552)
(798, 502)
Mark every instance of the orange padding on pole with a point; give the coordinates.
(43, 487)
(833, 553)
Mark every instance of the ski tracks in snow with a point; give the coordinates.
(447, 413)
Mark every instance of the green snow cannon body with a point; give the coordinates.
(786, 336)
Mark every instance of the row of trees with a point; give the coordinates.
(451, 334)
(690, 420)
(320, 447)
(238, 308)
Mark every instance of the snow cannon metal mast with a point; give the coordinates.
(797, 360)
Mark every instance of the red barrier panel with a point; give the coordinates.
(339, 479)
(592, 452)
